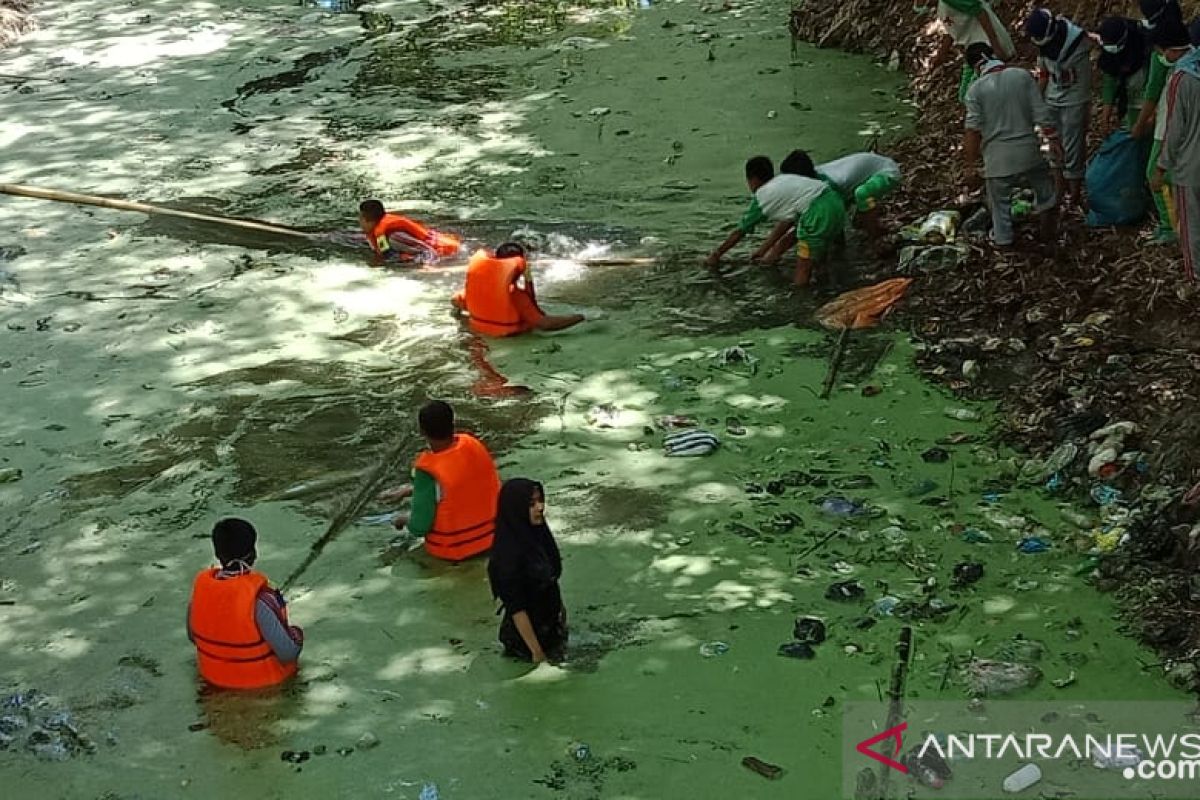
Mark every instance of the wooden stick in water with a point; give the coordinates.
(389, 463)
(835, 363)
(56, 195)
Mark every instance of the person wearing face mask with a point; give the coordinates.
(1124, 62)
(1065, 77)
(1004, 110)
(237, 622)
(1164, 20)
(1181, 146)
(523, 570)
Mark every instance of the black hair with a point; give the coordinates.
(436, 419)
(233, 539)
(510, 250)
(1171, 34)
(372, 210)
(979, 53)
(760, 168)
(799, 162)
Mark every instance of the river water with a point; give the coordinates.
(159, 375)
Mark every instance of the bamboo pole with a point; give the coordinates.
(835, 362)
(370, 486)
(145, 208)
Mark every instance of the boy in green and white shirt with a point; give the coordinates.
(812, 208)
(860, 178)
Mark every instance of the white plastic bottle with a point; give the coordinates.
(1022, 779)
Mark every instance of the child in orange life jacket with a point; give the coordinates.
(237, 622)
(454, 489)
(417, 240)
(499, 297)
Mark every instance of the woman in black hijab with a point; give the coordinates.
(524, 569)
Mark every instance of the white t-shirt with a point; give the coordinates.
(849, 172)
(786, 196)
(966, 30)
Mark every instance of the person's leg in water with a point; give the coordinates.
(534, 319)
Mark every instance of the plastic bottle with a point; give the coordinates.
(1022, 779)
(938, 227)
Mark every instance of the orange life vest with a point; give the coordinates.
(444, 244)
(230, 651)
(489, 294)
(465, 522)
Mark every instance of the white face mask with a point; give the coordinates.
(1113, 49)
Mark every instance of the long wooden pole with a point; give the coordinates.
(145, 208)
(370, 486)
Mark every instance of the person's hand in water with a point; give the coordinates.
(395, 494)
(400, 522)
(712, 261)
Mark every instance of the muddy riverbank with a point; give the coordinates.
(1107, 330)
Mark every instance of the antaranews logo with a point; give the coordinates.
(992, 748)
(896, 733)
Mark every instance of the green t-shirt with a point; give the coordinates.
(424, 502)
(1160, 68)
(752, 218)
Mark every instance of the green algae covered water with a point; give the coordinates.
(158, 376)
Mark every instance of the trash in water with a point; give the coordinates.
(379, 519)
(605, 415)
(967, 572)
(690, 443)
(10, 474)
(809, 629)
(1117, 757)
(963, 414)
(367, 741)
(1033, 544)
(737, 354)
(579, 751)
(923, 487)
(1022, 779)
(734, 427)
(1062, 683)
(710, 649)
(841, 507)
(929, 258)
(992, 497)
(976, 536)
(927, 767)
(801, 650)
(768, 771)
(1054, 482)
(871, 390)
(845, 590)
(429, 792)
(935, 455)
(676, 421)
(988, 677)
(294, 757)
(885, 606)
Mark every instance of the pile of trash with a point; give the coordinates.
(32, 721)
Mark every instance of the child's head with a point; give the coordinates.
(979, 54)
(370, 212)
(436, 420)
(233, 541)
(759, 170)
(799, 162)
(510, 250)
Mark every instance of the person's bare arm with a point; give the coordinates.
(972, 151)
(778, 232)
(1145, 121)
(525, 628)
(985, 22)
(730, 242)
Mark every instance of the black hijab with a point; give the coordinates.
(1135, 50)
(522, 552)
